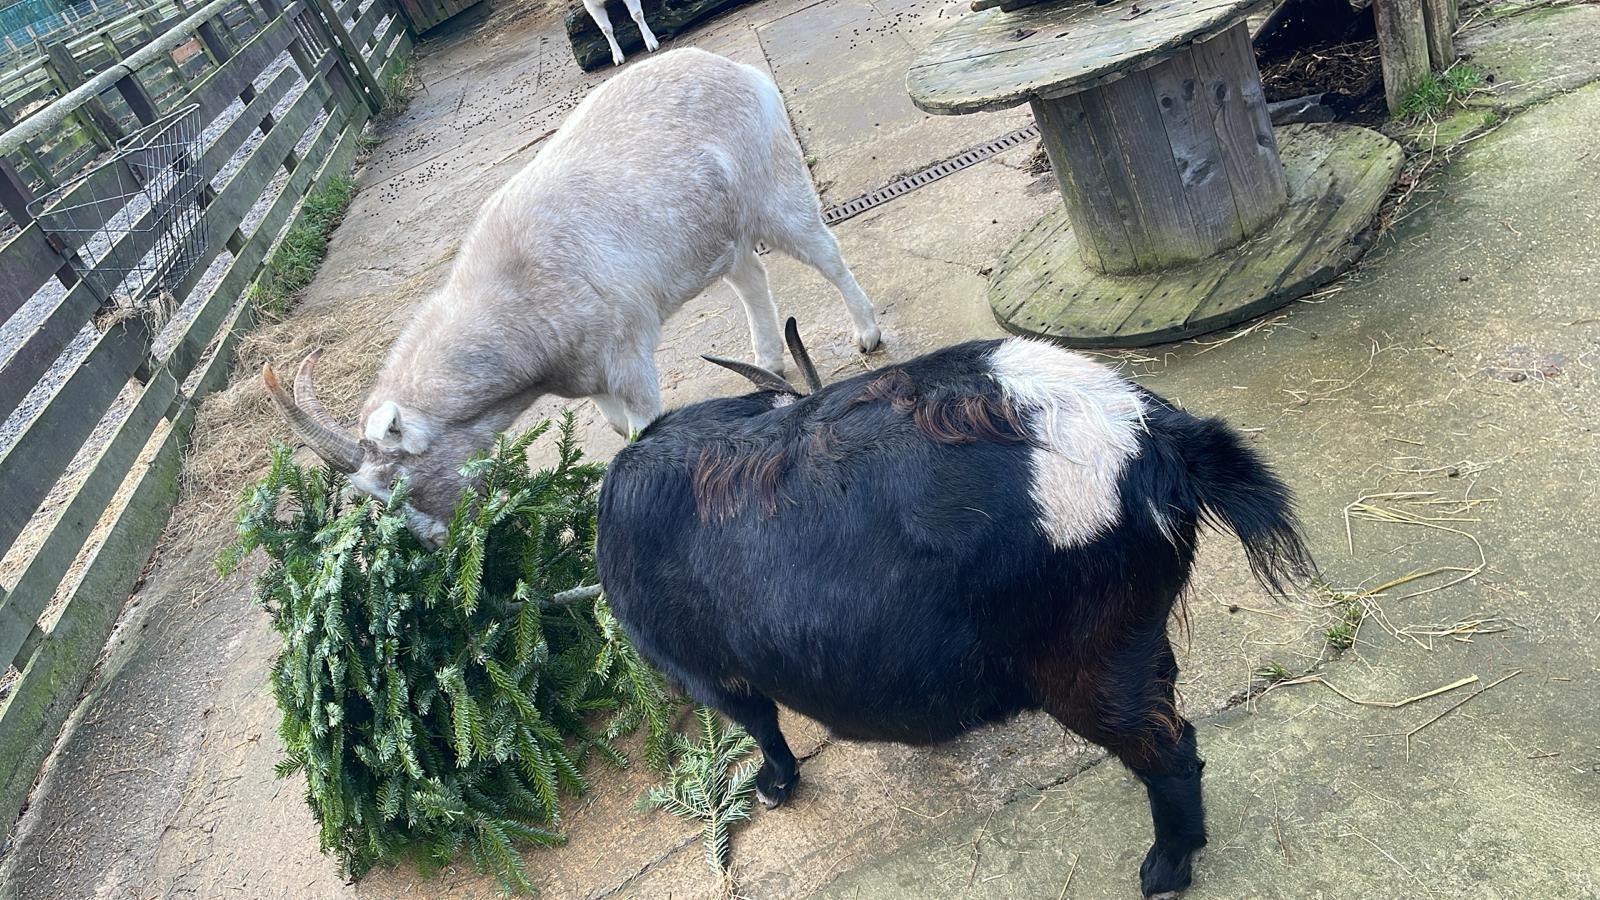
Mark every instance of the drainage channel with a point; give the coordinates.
(905, 184)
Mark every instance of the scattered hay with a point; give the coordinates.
(1385, 704)
(1421, 509)
(1461, 632)
(1268, 324)
(1408, 735)
(1322, 389)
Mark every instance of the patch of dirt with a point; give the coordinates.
(1520, 363)
(1350, 70)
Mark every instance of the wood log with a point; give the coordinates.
(1403, 48)
(667, 19)
(1439, 21)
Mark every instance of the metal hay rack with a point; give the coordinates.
(156, 188)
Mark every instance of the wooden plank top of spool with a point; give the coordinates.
(994, 60)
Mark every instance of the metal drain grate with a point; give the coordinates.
(855, 206)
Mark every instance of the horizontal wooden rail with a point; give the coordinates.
(51, 116)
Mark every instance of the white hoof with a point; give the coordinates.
(651, 43)
(869, 340)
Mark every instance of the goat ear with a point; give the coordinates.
(802, 359)
(387, 428)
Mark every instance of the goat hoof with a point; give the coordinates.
(616, 59)
(652, 45)
(869, 340)
(772, 794)
(1166, 873)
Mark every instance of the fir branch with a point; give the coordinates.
(700, 786)
(440, 703)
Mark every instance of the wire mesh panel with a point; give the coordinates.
(138, 236)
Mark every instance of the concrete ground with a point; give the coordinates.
(1430, 410)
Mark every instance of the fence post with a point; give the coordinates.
(14, 194)
(133, 93)
(14, 199)
(1439, 18)
(346, 47)
(43, 171)
(1402, 48)
(63, 69)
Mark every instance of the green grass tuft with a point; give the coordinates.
(399, 86)
(1341, 635)
(300, 253)
(1272, 673)
(1442, 91)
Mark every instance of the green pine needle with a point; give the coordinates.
(434, 706)
(700, 786)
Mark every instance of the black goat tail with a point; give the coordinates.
(1239, 492)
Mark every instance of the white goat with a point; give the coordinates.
(597, 12)
(663, 180)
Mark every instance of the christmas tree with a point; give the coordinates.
(442, 702)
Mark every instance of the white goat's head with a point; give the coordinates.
(394, 441)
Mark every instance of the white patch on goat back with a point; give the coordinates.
(1086, 421)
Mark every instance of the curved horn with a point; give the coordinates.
(338, 449)
(305, 393)
(791, 335)
(763, 379)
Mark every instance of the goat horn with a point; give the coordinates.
(761, 377)
(791, 335)
(305, 393)
(337, 448)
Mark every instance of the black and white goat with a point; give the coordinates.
(995, 527)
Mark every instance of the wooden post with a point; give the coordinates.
(1403, 48)
(14, 194)
(346, 47)
(215, 47)
(63, 70)
(46, 177)
(144, 109)
(1167, 165)
(14, 199)
(1439, 20)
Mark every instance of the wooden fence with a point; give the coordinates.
(31, 85)
(91, 476)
